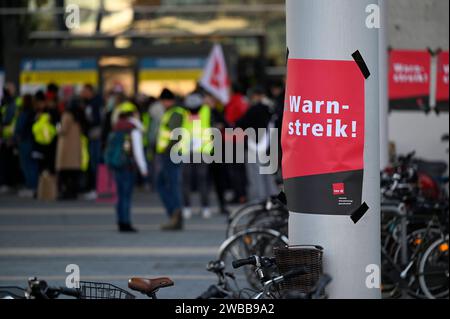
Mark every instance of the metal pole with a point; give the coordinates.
(333, 30)
(384, 100)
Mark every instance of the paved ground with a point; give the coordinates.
(40, 239)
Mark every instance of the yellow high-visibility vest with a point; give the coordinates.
(201, 138)
(43, 130)
(84, 153)
(146, 120)
(165, 134)
(8, 130)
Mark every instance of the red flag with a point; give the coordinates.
(215, 77)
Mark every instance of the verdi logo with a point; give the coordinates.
(338, 189)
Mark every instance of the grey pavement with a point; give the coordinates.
(40, 239)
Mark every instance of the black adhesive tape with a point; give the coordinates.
(282, 198)
(287, 55)
(359, 213)
(361, 64)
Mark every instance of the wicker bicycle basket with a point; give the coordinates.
(292, 257)
(97, 290)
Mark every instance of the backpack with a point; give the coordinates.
(117, 154)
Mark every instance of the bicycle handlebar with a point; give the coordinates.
(264, 262)
(244, 262)
(40, 290)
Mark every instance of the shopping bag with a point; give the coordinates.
(47, 188)
(106, 185)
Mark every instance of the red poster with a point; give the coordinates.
(409, 79)
(323, 136)
(442, 88)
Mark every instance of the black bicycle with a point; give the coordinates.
(39, 289)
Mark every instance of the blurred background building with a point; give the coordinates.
(145, 45)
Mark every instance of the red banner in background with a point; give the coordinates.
(442, 88)
(409, 79)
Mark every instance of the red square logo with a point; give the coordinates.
(338, 189)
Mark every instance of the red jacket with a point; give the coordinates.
(236, 108)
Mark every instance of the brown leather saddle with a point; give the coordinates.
(149, 286)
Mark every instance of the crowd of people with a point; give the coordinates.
(42, 134)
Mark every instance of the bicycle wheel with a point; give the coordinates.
(433, 270)
(416, 241)
(273, 219)
(255, 205)
(247, 243)
(249, 218)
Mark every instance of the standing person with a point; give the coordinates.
(258, 116)
(169, 175)
(69, 149)
(114, 98)
(124, 153)
(93, 108)
(9, 108)
(199, 143)
(277, 94)
(44, 135)
(236, 108)
(219, 171)
(54, 106)
(155, 111)
(24, 137)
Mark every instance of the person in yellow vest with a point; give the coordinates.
(9, 111)
(198, 124)
(169, 175)
(44, 134)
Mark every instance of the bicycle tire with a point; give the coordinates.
(256, 242)
(422, 280)
(414, 291)
(244, 218)
(255, 205)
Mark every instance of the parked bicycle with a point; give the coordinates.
(415, 229)
(270, 279)
(269, 214)
(39, 289)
